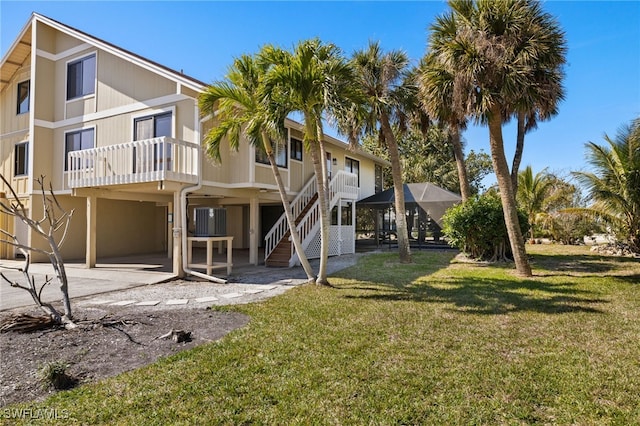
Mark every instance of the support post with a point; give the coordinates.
(254, 231)
(92, 212)
(177, 235)
(170, 224)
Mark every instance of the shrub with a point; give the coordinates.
(54, 374)
(477, 228)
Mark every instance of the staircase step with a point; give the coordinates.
(277, 264)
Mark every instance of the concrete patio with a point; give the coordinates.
(109, 274)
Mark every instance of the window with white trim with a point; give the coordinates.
(21, 159)
(378, 178)
(352, 166)
(149, 127)
(279, 152)
(296, 149)
(76, 141)
(24, 95)
(81, 77)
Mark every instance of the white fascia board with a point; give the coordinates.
(125, 109)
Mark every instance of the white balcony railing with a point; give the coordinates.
(150, 160)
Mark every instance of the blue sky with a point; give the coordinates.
(602, 74)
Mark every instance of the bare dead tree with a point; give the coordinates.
(55, 220)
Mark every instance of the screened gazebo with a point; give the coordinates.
(425, 204)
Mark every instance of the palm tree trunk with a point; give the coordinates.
(509, 208)
(465, 189)
(287, 209)
(396, 172)
(318, 156)
(517, 156)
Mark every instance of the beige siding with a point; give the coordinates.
(367, 178)
(43, 154)
(297, 178)
(45, 92)
(120, 83)
(80, 107)
(233, 167)
(54, 42)
(184, 119)
(129, 227)
(114, 130)
(7, 152)
(10, 120)
(235, 226)
(264, 175)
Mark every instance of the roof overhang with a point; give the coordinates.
(337, 142)
(16, 56)
(21, 49)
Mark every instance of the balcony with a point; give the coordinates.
(150, 160)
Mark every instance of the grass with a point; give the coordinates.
(433, 342)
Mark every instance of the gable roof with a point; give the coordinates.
(431, 198)
(21, 49)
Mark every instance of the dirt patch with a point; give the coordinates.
(106, 343)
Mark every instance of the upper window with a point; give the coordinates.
(76, 141)
(81, 77)
(378, 178)
(296, 149)
(153, 126)
(279, 152)
(352, 166)
(23, 97)
(21, 159)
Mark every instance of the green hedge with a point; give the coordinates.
(477, 228)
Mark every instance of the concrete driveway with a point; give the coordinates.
(82, 281)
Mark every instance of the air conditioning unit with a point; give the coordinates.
(211, 222)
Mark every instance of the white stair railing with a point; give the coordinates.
(344, 185)
(281, 227)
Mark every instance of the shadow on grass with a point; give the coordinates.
(581, 264)
(479, 291)
(490, 296)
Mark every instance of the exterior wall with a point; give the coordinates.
(14, 129)
(129, 227)
(139, 85)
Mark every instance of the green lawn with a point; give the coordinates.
(434, 342)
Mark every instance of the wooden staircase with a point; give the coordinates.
(281, 255)
(306, 209)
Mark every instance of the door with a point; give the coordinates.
(22, 234)
(329, 166)
(154, 126)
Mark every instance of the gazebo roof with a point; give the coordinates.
(431, 198)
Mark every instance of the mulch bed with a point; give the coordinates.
(104, 344)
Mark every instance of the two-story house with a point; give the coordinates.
(119, 138)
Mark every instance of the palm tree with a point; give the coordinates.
(532, 194)
(312, 80)
(436, 90)
(488, 50)
(614, 185)
(242, 107)
(544, 48)
(384, 79)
